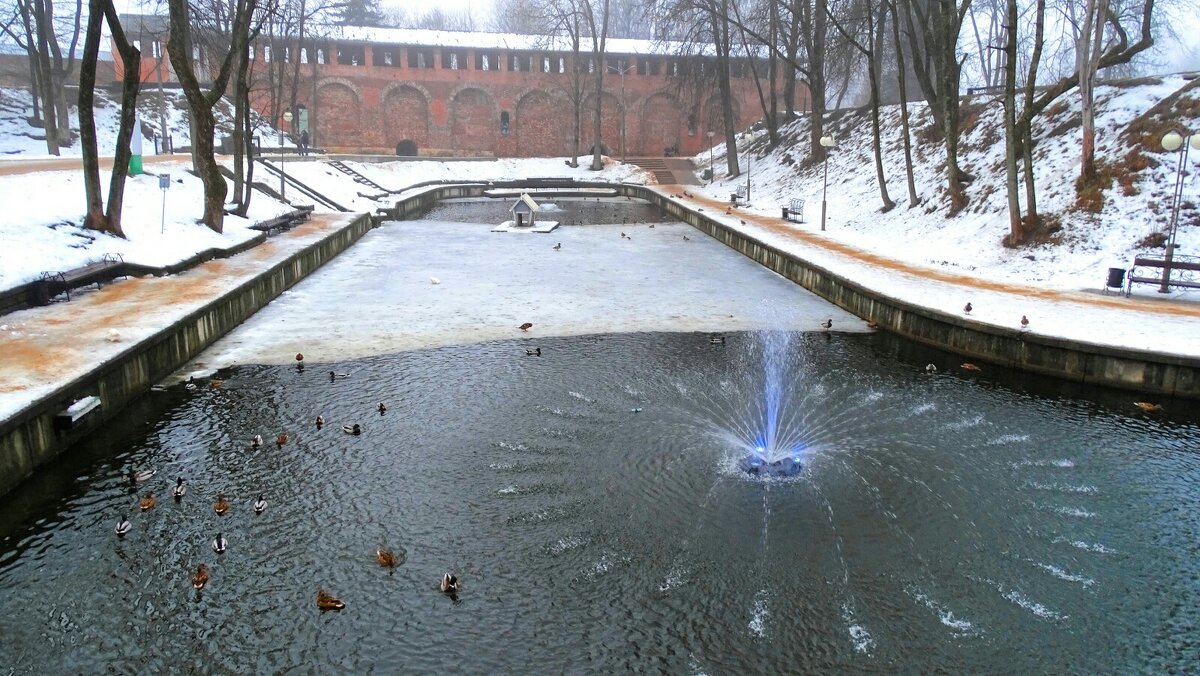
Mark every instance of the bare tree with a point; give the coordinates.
(38, 35)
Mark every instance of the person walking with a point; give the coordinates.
(304, 142)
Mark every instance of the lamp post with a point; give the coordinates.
(287, 119)
(711, 171)
(1172, 141)
(827, 142)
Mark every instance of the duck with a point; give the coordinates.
(717, 340)
(967, 309)
(219, 544)
(526, 326)
(623, 236)
(968, 366)
(381, 408)
(385, 557)
(333, 375)
(1024, 322)
(260, 504)
(931, 368)
(1148, 406)
(686, 238)
(355, 429)
(449, 584)
(147, 502)
(827, 324)
(299, 356)
(222, 505)
(320, 421)
(872, 324)
(215, 384)
(256, 441)
(651, 226)
(636, 409)
(179, 490)
(191, 383)
(140, 476)
(558, 246)
(327, 601)
(281, 440)
(201, 577)
(123, 527)
(535, 352)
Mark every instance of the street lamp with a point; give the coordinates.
(1172, 141)
(711, 172)
(287, 119)
(827, 142)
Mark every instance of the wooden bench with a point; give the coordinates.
(284, 222)
(795, 211)
(108, 268)
(1183, 272)
(739, 194)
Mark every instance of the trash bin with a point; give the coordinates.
(1116, 278)
(785, 213)
(707, 175)
(40, 293)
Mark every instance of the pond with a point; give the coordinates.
(591, 501)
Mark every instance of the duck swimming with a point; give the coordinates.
(219, 544)
(123, 527)
(717, 340)
(536, 352)
(320, 421)
(338, 376)
(381, 408)
(256, 441)
(140, 476)
(327, 601)
(1148, 407)
(385, 557)
(281, 440)
(355, 430)
(260, 504)
(222, 505)
(449, 584)
(147, 502)
(930, 368)
(201, 577)
(179, 489)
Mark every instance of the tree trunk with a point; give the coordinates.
(874, 66)
(599, 38)
(1016, 233)
(131, 59)
(94, 220)
(816, 80)
(46, 80)
(905, 135)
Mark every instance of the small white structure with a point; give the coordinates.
(524, 217)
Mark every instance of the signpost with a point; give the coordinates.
(164, 182)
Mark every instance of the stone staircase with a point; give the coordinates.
(358, 178)
(667, 171)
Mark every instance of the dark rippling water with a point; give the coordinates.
(943, 523)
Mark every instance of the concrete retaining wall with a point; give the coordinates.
(30, 439)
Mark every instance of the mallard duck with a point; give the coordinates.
(1024, 322)
(281, 440)
(381, 408)
(140, 476)
(123, 527)
(717, 340)
(256, 441)
(385, 557)
(179, 490)
(449, 584)
(1148, 406)
(355, 429)
(222, 505)
(147, 502)
(260, 504)
(967, 309)
(327, 601)
(827, 324)
(526, 326)
(536, 352)
(299, 356)
(930, 368)
(968, 366)
(872, 324)
(320, 421)
(190, 384)
(558, 246)
(201, 577)
(636, 409)
(215, 384)
(686, 238)
(219, 544)
(651, 226)
(333, 375)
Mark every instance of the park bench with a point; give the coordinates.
(284, 222)
(739, 194)
(1182, 272)
(794, 211)
(108, 268)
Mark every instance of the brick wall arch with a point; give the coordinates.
(663, 123)
(339, 113)
(474, 120)
(405, 109)
(610, 123)
(538, 123)
(714, 116)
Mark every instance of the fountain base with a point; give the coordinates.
(756, 465)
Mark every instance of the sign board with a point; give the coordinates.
(164, 181)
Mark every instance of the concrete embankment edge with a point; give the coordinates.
(30, 438)
(1086, 363)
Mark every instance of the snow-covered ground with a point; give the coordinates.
(1077, 257)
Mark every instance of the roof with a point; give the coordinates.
(478, 40)
(527, 201)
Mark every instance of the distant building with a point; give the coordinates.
(425, 92)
